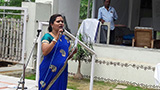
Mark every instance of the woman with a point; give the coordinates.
(55, 48)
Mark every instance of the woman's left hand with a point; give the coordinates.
(74, 50)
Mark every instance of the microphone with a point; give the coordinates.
(63, 30)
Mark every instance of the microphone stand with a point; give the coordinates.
(22, 78)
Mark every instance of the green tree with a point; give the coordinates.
(82, 55)
(83, 8)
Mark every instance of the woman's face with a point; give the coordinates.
(58, 23)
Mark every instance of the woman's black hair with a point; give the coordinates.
(51, 21)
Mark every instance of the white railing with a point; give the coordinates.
(8, 28)
(41, 24)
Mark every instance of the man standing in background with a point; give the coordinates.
(107, 13)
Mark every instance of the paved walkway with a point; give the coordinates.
(10, 82)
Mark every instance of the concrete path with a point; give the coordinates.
(10, 83)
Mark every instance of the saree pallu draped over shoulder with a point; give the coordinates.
(52, 64)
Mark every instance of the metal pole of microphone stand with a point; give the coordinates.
(23, 75)
(25, 66)
(23, 82)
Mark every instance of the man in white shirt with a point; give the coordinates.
(107, 13)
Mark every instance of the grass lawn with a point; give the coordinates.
(98, 85)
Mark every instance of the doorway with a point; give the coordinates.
(145, 13)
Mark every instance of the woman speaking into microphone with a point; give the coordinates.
(55, 48)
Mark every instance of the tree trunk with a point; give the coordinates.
(78, 75)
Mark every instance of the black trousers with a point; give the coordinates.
(103, 36)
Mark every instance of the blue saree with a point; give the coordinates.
(52, 63)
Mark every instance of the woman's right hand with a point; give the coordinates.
(60, 33)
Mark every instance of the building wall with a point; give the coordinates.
(121, 64)
(70, 9)
(36, 12)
